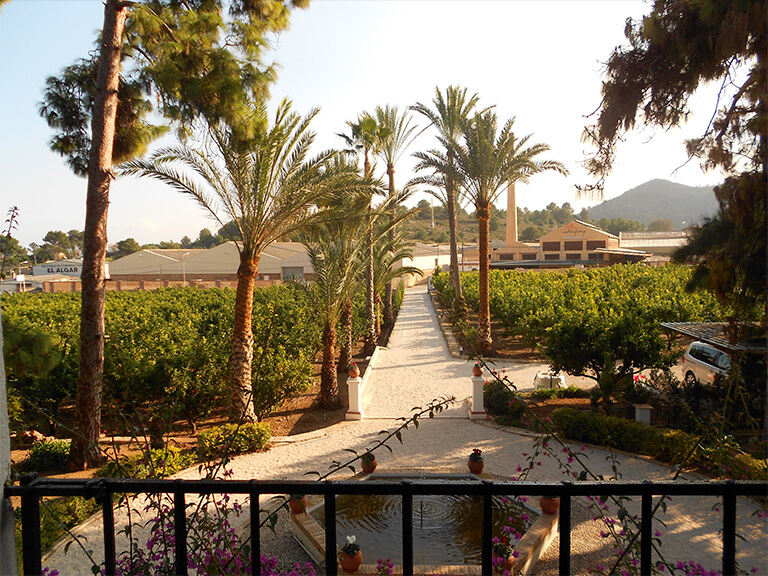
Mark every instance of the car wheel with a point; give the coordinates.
(690, 379)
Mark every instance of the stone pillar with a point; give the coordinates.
(477, 410)
(355, 386)
(511, 215)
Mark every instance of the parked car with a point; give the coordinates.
(702, 363)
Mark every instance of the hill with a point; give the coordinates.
(660, 199)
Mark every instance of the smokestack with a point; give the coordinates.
(511, 214)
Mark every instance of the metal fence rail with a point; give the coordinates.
(32, 489)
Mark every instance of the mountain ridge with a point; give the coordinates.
(658, 198)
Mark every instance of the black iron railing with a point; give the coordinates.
(33, 489)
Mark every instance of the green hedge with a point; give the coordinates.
(569, 392)
(659, 443)
(156, 463)
(231, 439)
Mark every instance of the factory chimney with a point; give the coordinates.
(511, 214)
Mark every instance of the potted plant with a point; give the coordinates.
(354, 370)
(477, 369)
(350, 556)
(298, 503)
(503, 555)
(368, 462)
(549, 504)
(475, 462)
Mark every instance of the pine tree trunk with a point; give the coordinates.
(345, 356)
(84, 452)
(459, 305)
(484, 316)
(241, 359)
(329, 383)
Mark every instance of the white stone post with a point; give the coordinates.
(355, 386)
(477, 411)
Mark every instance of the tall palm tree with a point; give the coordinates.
(365, 137)
(485, 162)
(393, 142)
(448, 115)
(269, 187)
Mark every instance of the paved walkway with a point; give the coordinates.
(417, 368)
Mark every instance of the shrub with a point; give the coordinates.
(156, 463)
(46, 455)
(497, 398)
(56, 517)
(231, 439)
(502, 403)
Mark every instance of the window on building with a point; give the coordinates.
(573, 256)
(594, 256)
(551, 256)
(551, 246)
(592, 244)
(574, 245)
(529, 256)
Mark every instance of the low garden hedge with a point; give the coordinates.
(660, 443)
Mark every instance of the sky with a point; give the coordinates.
(538, 61)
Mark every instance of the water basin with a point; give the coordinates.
(446, 529)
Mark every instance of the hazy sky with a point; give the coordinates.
(539, 61)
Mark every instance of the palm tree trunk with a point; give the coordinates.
(329, 383)
(484, 315)
(345, 356)
(388, 314)
(241, 359)
(84, 452)
(370, 305)
(377, 301)
(459, 305)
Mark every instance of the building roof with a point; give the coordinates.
(576, 226)
(714, 333)
(623, 251)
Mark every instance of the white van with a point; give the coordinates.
(702, 363)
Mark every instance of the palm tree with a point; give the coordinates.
(484, 163)
(397, 137)
(336, 256)
(268, 187)
(389, 251)
(365, 136)
(448, 116)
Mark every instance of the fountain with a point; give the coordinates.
(446, 529)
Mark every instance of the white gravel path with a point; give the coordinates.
(417, 368)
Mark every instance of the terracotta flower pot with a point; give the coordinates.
(475, 466)
(298, 505)
(549, 505)
(477, 370)
(368, 466)
(349, 563)
(354, 372)
(501, 564)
